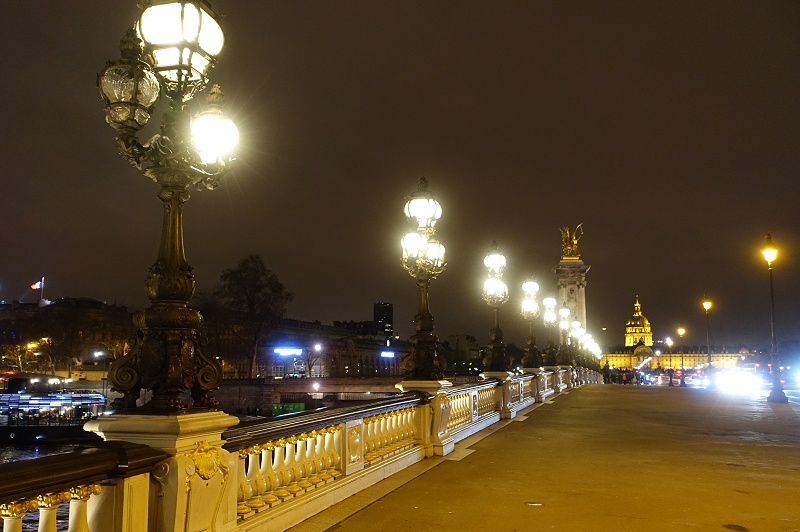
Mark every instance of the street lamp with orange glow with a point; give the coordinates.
(681, 332)
(776, 395)
(707, 307)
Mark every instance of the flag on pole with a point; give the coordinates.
(38, 284)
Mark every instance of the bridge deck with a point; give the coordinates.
(601, 458)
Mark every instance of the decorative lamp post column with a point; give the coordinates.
(169, 55)
(423, 259)
(495, 293)
(707, 307)
(670, 371)
(681, 332)
(564, 324)
(776, 395)
(550, 318)
(530, 311)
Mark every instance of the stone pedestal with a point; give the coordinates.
(436, 437)
(193, 489)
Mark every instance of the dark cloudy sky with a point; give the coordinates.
(669, 129)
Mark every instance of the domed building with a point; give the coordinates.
(638, 330)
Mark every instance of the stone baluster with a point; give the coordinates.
(78, 517)
(321, 456)
(255, 479)
(371, 437)
(384, 430)
(245, 490)
(282, 472)
(48, 504)
(13, 513)
(333, 444)
(302, 466)
(292, 468)
(313, 471)
(268, 474)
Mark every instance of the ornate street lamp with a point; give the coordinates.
(530, 311)
(170, 53)
(681, 332)
(668, 341)
(707, 307)
(550, 318)
(495, 293)
(423, 259)
(776, 395)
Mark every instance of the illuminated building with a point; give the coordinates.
(638, 330)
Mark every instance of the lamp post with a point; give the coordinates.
(495, 293)
(550, 318)
(776, 395)
(670, 371)
(423, 259)
(530, 310)
(169, 54)
(100, 354)
(681, 332)
(707, 307)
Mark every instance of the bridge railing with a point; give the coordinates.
(89, 481)
(267, 474)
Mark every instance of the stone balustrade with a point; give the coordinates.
(103, 486)
(258, 475)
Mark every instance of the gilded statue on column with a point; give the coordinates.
(569, 241)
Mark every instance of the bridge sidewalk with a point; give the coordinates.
(601, 458)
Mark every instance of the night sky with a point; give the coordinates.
(669, 129)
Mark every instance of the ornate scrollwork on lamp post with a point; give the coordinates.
(495, 293)
(530, 311)
(170, 52)
(423, 259)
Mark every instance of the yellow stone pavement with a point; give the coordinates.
(606, 458)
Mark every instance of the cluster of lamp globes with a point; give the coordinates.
(573, 329)
(172, 50)
(423, 254)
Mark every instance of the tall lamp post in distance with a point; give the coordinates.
(670, 371)
(563, 325)
(169, 54)
(495, 293)
(423, 259)
(530, 311)
(681, 332)
(707, 307)
(776, 395)
(103, 379)
(550, 318)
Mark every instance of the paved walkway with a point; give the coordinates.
(601, 458)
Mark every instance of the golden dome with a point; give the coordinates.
(638, 319)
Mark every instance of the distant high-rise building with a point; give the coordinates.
(383, 315)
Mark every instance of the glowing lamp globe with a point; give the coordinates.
(185, 39)
(770, 251)
(214, 136)
(128, 86)
(495, 291)
(423, 207)
(495, 261)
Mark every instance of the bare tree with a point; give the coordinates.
(257, 296)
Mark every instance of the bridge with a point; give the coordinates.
(550, 449)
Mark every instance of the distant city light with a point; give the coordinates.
(287, 351)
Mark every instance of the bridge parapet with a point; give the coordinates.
(94, 482)
(269, 475)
